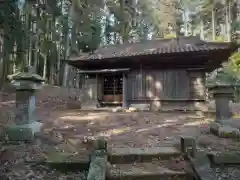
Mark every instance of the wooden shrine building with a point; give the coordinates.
(160, 73)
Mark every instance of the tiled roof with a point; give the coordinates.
(150, 47)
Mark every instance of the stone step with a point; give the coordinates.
(131, 155)
(149, 171)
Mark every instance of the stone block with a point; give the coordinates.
(188, 145)
(156, 106)
(141, 107)
(118, 109)
(132, 109)
(202, 167)
(100, 144)
(132, 155)
(225, 158)
(23, 132)
(228, 131)
(225, 131)
(214, 127)
(231, 122)
(98, 168)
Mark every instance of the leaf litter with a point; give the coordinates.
(73, 137)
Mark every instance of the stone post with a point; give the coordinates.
(25, 126)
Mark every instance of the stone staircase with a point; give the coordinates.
(165, 163)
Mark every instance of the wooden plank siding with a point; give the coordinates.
(162, 89)
(165, 85)
(100, 82)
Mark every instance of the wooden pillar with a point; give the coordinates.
(97, 87)
(124, 90)
(97, 92)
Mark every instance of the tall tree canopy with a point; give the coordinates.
(42, 33)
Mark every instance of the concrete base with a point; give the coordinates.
(224, 130)
(24, 132)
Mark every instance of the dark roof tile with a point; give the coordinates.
(148, 47)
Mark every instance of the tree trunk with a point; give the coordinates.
(202, 29)
(65, 75)
(30, 46)
(228, 21)
(185, 23)
(213, 24)
(45, 66)
(52, 75)
(58, 63)
(66, 66)
(123, 31)
(5, 62)
(36, 54)
(26, 40)
(7, 47)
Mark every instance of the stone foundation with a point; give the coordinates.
(24, 132)
(224, 130)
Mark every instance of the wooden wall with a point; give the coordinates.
(165, 85)
(161, 88)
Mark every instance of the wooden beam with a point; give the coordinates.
(98, 71)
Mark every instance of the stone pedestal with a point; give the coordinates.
(25, 126)
(223, 126)
(25, 107)
(223, 95)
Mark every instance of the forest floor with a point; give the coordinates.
(67, 129)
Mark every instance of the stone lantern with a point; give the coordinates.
(223, 95)
(25, 126)
(223, 92)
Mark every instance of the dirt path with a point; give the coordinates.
(69, 132)
(142, 129)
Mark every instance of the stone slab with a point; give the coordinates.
(144, 171)
(227, 158)
(61, 157)
(234, 122)
(140, 107)
(224, 131)
(202, 167)
(24, 132)
(67, 167)
(130, 155)
(98, 168)
(188, 145)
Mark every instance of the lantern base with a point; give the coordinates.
(24, 132)
(224, 130)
